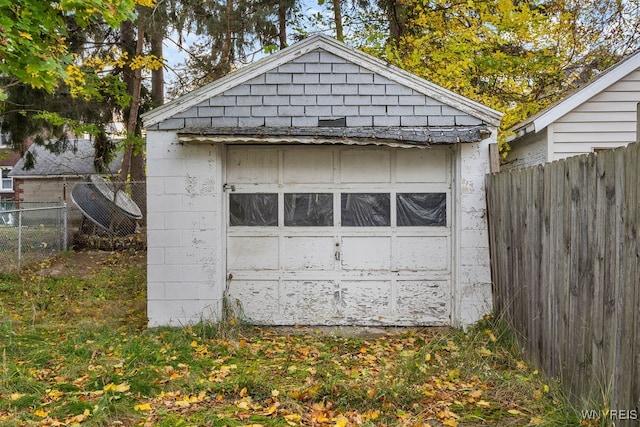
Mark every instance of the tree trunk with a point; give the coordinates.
(157, 76)
(127, 42)
(337, 14)
(133, 159)
(283, 7)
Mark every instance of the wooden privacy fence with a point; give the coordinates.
(565, 262)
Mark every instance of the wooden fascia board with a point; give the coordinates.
(339, 49)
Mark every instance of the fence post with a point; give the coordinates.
(19, 237)
(65, 211)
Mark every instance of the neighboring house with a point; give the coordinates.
(601, 115)
(54, 175)
(8, 159)
(319, 186)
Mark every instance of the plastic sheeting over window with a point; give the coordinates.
(366, 209)
(257, 209)
(421, 209)
(308, 209)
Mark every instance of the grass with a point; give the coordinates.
(74, 350)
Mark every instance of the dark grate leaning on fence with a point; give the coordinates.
(31, 232)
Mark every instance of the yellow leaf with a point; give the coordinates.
(109, 387)
(40, 413)
(292, 419)
(484, 351)
(122, 387)
(341, 421)
(16, 396)
(450, 423)
(270, 410)
(142, 407)
(476, 394)
(546, 388)
(275, 393)
(535, 421)
(453, 374)
(492, 337)
(56, 394)
(514, 412)
(372, 415)
(483, 403)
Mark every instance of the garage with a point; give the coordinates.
(339, 234)
(319, 186)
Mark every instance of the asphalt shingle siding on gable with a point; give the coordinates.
(318, 86)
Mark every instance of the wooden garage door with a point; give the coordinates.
(330, 235)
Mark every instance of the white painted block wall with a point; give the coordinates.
(183, 231)
(472, 274)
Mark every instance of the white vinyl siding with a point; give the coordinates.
(607, 120)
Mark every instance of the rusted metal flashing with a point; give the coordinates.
(361, 135)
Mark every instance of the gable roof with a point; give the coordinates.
(545, 117)
(77, 161)
(337, 48)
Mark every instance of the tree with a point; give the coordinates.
(34, 35)
(512, 55)
(229, 33)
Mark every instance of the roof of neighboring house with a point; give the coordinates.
(76, 161)
(337, 48)
(8, 157)
(545, 117)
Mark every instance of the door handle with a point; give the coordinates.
(337, 255)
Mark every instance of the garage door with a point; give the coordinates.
(330, 235)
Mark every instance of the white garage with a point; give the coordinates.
(319, 186)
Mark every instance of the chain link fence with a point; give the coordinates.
(99, 214)
(31, 232)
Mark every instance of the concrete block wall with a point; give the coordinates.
(183, 231)
(472, 275)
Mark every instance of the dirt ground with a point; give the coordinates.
(84, 263)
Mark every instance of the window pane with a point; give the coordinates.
(366, 209)
(422, 209)
(7, 183)
(308, 209)
(253, 209)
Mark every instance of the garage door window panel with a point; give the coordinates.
(421, 209)
(366, 209)
(253, 209)
(308, 209)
